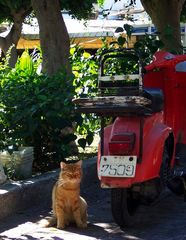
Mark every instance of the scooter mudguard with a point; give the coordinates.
(148, 149)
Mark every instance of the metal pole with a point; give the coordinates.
(102, 136)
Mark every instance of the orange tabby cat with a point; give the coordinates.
(68, 206)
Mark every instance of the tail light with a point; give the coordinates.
(122, 144)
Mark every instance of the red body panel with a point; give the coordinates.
(162, 74)
(154, 136)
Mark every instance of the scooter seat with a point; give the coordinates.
(156, 97)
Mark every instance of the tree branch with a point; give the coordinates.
(15, 33)
(18, 18)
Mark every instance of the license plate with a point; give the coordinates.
(117, 166)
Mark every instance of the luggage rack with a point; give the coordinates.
(119, 85)
(118, 94)
(113, 105)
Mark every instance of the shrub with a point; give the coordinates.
(85, 70)
(37, 110)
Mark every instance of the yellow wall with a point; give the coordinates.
(86, 42)
(28, 44)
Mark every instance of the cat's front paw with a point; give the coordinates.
(60, 226)
(82, 225)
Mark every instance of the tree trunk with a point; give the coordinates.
(14, 35)
(54, 38)
(165, 15)
(10, 41)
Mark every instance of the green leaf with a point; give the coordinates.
(119, 30)
(25, 63)
(82, 142)
(86, 55)
(90, 138)
(128, 28)
(69, 138)
(42, 97)
(58, 122)
(121, 41)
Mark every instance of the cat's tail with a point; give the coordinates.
(50, 222)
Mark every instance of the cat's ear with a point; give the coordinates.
(79, 163)
(62, 165)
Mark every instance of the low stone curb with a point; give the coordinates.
(17, 196)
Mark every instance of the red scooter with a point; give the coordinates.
(143, 128)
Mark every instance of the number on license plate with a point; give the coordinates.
(117, 166)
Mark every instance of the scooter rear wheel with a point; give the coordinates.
(124, 206)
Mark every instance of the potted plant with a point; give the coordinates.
(18, 164)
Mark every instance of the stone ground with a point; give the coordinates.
(165, 219)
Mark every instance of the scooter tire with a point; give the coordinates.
(123, 207)
(175, 184)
